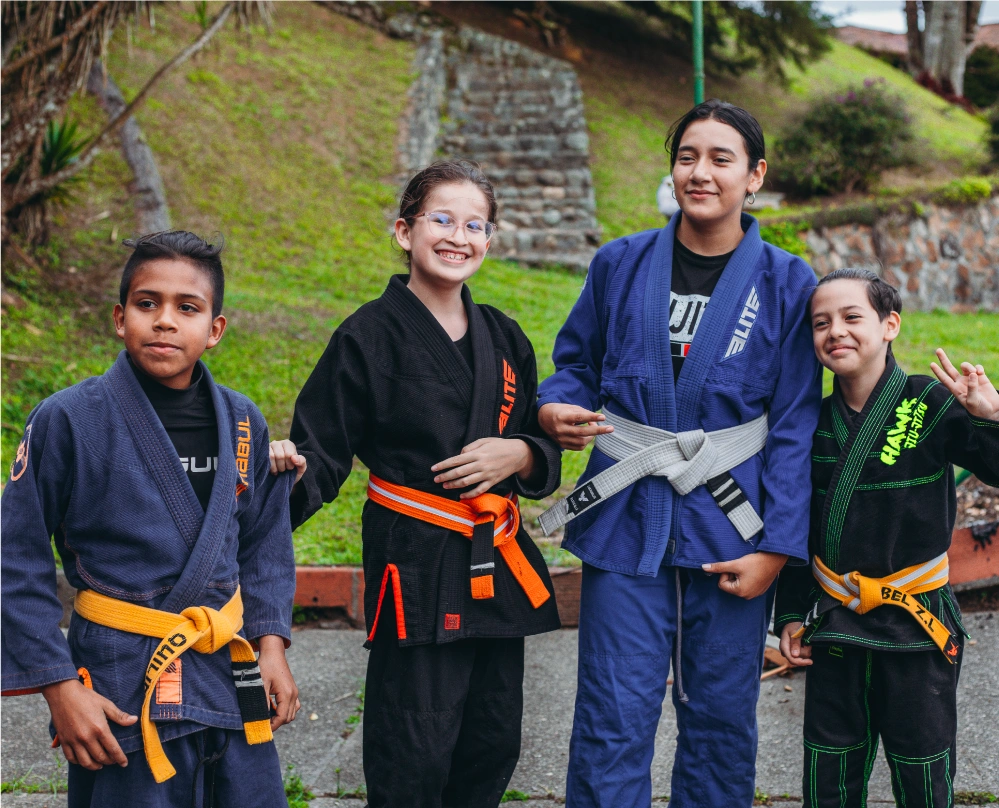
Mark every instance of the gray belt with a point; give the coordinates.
(686, 459)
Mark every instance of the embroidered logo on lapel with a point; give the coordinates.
(746, 321)
(243, 455)
(20, 464)
(908, 421)
(509, 393)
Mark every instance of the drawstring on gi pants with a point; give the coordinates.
(211, 764)
(678, 664)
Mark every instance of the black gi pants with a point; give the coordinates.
(853, 695)
(441, 722)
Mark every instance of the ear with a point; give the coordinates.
(892, 325)
(215, 335)
(403, 234)
(756, 177)
(119, 320)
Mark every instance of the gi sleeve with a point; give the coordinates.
(329, 424)
(266, 556)
(581, 343)
(795, 596)
(793, 418)
(972, 443)
(33, 650)
(547, 474)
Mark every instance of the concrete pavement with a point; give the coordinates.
(326, 750)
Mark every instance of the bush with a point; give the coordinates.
(981, 76)
(844, 142)
(992, 135)
(786, 236)
(965, 191)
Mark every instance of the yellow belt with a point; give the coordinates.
(862, 594)
(201, 628)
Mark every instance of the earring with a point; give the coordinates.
(752, 198)
(673, 191)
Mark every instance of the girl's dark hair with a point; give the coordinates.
(883, 297)
(443, 172)
(736, 117)
(180, 245)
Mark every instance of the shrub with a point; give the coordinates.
(844, 142)
(965, 191)
(786, 236)
(992, 134)
(981, 76)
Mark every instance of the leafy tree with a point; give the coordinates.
(981, 78)
(939, 51)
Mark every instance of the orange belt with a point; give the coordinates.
(464, 516)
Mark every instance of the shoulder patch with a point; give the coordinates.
(746, 320)
(20, 464)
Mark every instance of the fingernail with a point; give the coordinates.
(706, 567)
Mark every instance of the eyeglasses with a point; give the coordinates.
(444, 225)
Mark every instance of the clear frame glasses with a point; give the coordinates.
(444, 225)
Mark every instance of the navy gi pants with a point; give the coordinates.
(627, 639)
(441, 722)
(216, 768)
(853, 695)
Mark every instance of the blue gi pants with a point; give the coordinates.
(216, 768)
(627, 638)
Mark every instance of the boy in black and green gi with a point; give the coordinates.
(875, 617)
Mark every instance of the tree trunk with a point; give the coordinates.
(146, 188)
(950, 33)
(914, 37)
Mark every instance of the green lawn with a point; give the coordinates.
(284, 142)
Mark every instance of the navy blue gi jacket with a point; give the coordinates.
(752, 354)
(97, 470)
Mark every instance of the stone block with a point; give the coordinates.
(550, 177)
(551, 217)
(553, 192)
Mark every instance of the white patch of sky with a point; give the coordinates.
(887, 15)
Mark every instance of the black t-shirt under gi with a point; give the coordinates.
(694, 280)
(188, 416)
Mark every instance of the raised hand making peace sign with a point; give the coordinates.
(970, 386)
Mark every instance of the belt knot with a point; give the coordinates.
(219, 630)
(700, 454)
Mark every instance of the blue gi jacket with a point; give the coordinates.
(97, 470)
(752, 354)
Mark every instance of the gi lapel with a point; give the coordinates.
(861, 435)
(188, 588)
(155, 448)
(655, 329)
(727, 301)
(486, 387)
(431, 336)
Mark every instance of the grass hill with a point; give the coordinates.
(284, 142)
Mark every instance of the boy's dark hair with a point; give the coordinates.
(180, 245)
(443, 172)
(883, 297)
(736, 117)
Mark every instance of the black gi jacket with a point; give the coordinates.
(394, 390)
(884, 502)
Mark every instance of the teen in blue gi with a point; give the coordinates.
(155, 483)
(698, 326)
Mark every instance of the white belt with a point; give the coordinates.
(686, 459)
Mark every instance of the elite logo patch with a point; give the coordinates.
(509, 395)
(452, 622)
(20, 464)
(582, 498)
(746, 321)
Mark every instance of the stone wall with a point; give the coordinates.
(947, 257)
(519, 114)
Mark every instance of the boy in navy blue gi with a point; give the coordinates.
(154, 481)
(882, 513)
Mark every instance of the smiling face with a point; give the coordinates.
(440, 260)
(167, 321)
(711, 174)
(849, 337)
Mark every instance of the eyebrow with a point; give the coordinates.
(723, 149)
(158, 293)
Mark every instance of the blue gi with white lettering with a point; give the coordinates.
(97, 470)
(752, 354)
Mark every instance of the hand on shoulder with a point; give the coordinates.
(970, 386)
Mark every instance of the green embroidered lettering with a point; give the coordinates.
(905, 434)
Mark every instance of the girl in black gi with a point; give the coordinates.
(436, 396)
(875, 618)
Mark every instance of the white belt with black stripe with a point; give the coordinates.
(686, 459)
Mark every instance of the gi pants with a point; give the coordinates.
(441, 722)
(216, 768)
(627, 639)
(853, 695)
